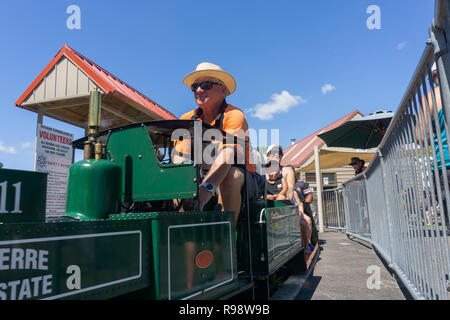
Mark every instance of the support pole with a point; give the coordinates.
(319, 188)
(40, 120)
(94, 126)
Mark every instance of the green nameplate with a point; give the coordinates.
(73, 260)
(22, 196)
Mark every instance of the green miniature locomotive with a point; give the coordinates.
(123, 234)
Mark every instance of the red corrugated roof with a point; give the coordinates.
(300, 152)
(104, 79)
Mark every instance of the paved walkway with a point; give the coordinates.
(347, 270)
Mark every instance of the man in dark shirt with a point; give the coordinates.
(305, 194)
(304, 190)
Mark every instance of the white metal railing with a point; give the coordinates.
(399, 203)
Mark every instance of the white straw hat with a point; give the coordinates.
(206, 69)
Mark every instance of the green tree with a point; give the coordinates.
(262, 149)
(1, 165)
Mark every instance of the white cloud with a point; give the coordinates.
(278, 103)
(26, 145)
(327, 88)
(401, 45)
(3, 148)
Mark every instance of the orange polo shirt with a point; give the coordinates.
(234, 123)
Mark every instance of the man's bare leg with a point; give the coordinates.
(230, 192)
(217, 173)
(308, 226)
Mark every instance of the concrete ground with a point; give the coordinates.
(349, 269)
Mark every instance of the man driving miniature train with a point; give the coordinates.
(224, 178)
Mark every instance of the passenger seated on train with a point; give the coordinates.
(276, 188)
(305, 223)
(305, 194)
(276, 185)
(275, 152)
(225, 178)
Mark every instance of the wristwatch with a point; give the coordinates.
(208, 186)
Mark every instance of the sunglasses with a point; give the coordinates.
(275, 153)
(207, 85)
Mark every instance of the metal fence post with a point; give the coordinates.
(388, 211)
(346, 208)
(319, 188)
(366, 200)
(337, 208)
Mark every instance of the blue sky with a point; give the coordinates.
(282, 54)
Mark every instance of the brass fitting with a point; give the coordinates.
(98, 151)
(88, 150)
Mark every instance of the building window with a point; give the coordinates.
(310, 177)
(328, 178)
